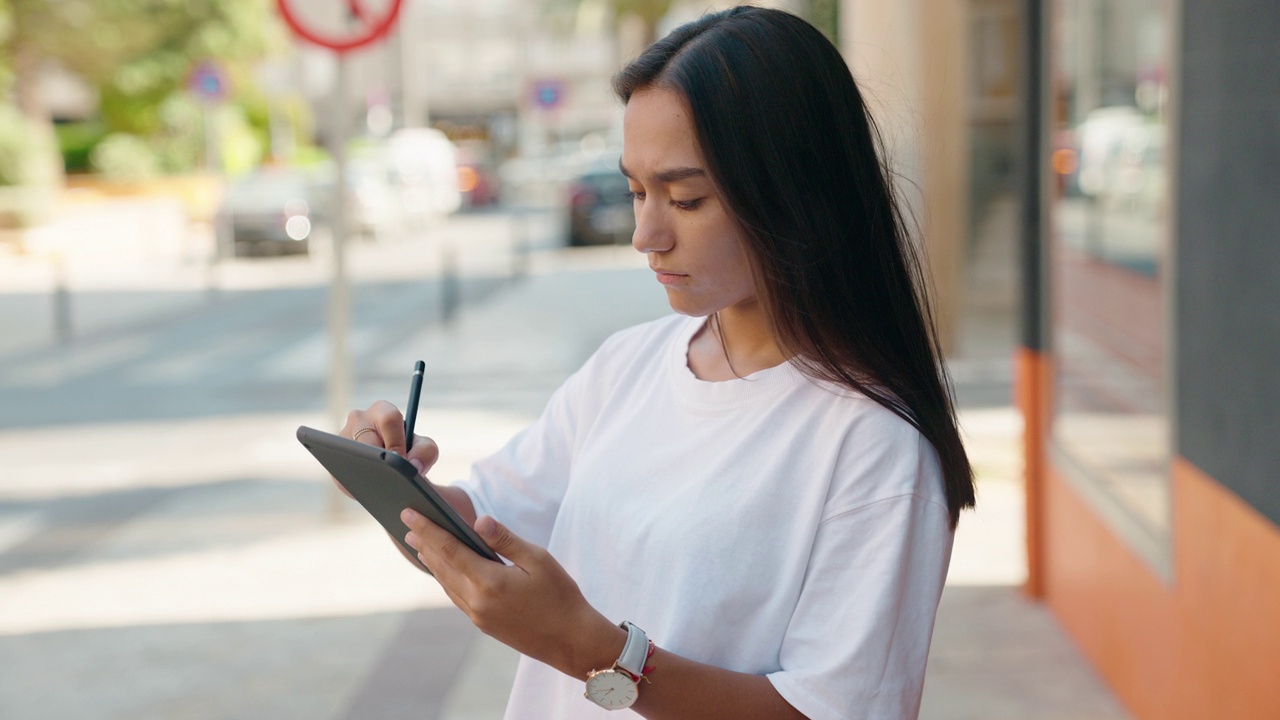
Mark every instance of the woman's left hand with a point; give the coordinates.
(532, 605)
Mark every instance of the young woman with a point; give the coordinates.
(765, 485)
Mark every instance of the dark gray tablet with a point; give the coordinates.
(385, 484)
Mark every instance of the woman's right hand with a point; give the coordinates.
(382, 426)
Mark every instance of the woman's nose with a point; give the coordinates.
(652, 233)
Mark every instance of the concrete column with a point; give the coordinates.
(910, 60)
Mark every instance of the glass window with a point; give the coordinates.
(1108, 255)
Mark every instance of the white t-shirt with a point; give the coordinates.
(770, 524)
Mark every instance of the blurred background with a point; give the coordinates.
(213, 229)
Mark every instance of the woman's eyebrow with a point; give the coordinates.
(669, 176)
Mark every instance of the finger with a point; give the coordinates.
(506, 543)
(360, 428)
(446, 582)
(449, 559)
(389, 423)
(424, 453)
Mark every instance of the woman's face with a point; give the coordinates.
(692, 243)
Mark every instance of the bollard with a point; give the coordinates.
(61, 302)
(520, 243)
(449, 290)
(222, 245)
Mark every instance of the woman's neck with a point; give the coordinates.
(733, 343)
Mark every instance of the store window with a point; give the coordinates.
(1109, 258)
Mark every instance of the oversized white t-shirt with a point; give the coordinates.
(771, 524)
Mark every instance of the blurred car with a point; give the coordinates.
(477, 178)
(373, 202)
(425, 166)
(267, 212)
(600, 208)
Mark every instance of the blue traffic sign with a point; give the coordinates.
(548, 94)
(208, 82)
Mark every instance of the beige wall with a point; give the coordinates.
(910, 60)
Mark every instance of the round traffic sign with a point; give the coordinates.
(208, 82)
(548, 94)
(372, 33)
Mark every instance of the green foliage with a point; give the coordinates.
(825, 15)
(25, 151)
(179, 144)
(14, 157)
(139, 54)
(651, 11)
(239, 141)
(76, 140)
(125, 157)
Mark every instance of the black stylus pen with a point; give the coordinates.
(411, 410)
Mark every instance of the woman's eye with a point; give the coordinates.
(635, 195)
(687, 204)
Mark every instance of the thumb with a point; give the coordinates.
(502, 540)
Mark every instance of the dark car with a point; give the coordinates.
(266, 212)
(600, 211)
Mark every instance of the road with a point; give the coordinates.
(166, 548)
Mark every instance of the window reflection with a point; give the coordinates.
(1111, 415)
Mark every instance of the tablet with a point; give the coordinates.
(385, 484)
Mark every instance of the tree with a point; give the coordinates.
(650, 12)
(136, 53)
(824, 14)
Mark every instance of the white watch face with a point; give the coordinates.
(612, 690)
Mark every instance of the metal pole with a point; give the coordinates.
(339, 301)
(61, 301)
(520, 242)
(450, 293)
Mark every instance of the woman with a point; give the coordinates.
(766, 482)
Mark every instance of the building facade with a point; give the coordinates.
(1150, 368)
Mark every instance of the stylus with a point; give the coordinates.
(411, 410)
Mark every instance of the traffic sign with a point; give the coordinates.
(373, 31)
(548, 94)
(208, 82)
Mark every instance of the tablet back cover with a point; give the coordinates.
(385, 484)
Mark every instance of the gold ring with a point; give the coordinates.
(362, 431)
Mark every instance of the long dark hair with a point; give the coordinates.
(792, 150)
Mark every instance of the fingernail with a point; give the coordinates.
(417, 464)
(408, 516)
(486, 526)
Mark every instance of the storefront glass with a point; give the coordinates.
(1108, 253)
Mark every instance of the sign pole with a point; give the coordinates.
(339, 300)
(339, 386)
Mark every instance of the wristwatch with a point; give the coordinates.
(619, 686)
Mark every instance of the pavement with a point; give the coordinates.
(162, 565)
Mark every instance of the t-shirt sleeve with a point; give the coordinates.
(523, 483)
(858, 642)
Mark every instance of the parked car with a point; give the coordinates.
(267, 212)
(425, 165)
(373, 202)
(477, 177)
(600, 210)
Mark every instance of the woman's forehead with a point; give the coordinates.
(657, 133)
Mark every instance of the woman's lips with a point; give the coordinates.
(669, 278)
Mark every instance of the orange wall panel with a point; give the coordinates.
(1207, 646)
